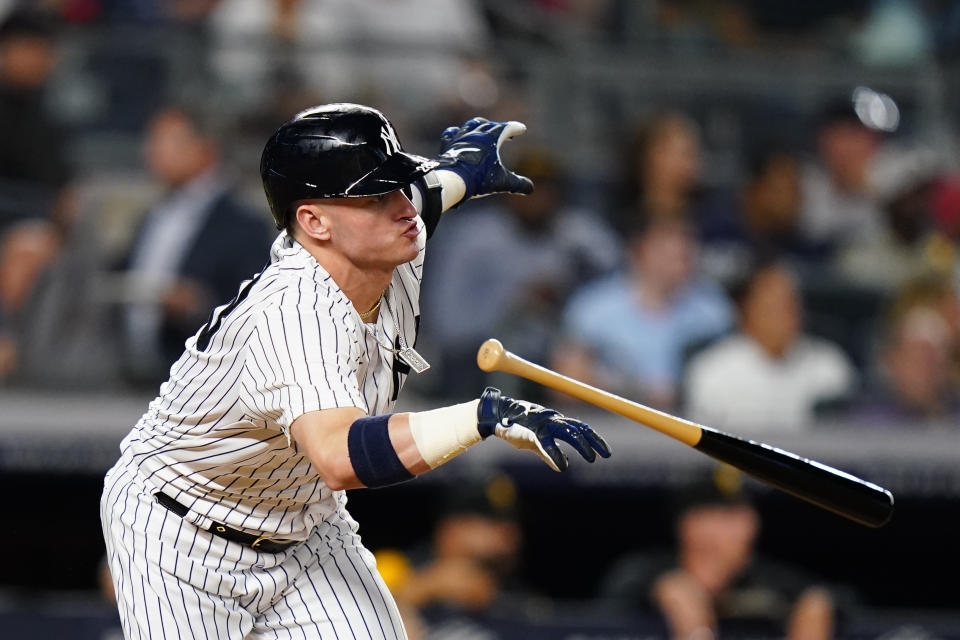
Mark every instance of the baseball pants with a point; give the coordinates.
(175, 580)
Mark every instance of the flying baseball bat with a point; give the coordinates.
(809, 480)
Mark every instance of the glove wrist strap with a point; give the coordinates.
(488, 412)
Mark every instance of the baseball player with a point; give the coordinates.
(225, 516)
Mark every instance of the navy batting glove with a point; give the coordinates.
(530, 426)
(472, 151)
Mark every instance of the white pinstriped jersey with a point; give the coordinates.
(217, 437)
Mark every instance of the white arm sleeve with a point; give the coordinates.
(442, 434)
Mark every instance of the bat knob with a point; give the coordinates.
(490, 354)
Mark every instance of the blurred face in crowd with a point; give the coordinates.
(918, 361)
(771, 312)
(672, 159)
(773, 198)
(490, 543)
(26, 60)
(665, 255)
(908, 214)
(847, 149)
(716, 542)
(174, 151)
(24, 252)
(536, 210)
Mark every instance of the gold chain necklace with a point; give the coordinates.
(373, 309)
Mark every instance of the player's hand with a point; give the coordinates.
(472, 151)
(529, 426)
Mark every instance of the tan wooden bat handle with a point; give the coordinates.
(492, 356)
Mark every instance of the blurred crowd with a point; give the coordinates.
(708, 580)
(816, 281)
(801, 273)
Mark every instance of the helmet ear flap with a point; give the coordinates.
(288, 216)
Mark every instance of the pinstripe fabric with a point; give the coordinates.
(174, 580)
(217, 440)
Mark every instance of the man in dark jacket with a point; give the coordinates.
(34, 166)
(191, 249)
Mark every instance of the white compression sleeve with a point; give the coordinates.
(453, 187)
(442, 434)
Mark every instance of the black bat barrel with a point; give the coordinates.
(809, 480)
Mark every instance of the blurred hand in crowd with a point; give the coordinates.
(187, 300)
(716, 575)
(25, 251)
(473, 554)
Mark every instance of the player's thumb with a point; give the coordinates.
(511, 129)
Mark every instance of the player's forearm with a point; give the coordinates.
(385, 450)
(350, 450)
(338, 468)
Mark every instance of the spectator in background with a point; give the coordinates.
(34, 161)
(192, 249)
(715, 584)
(762, 216)
(906, 247)
(508, 268)
(661, 170)
(627, 332)
(38, 211)
(26, 250)
(894, 33)
(411, 53)
(769, 375)
(469, 573)
(838, 208)
(945, 21)
(65, 335)
(918, 384)
(143, 50)
(945, 204)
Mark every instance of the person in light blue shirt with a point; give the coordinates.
(627, 332)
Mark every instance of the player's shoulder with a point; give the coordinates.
(298, 296)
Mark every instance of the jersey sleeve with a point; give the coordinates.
(300, 360)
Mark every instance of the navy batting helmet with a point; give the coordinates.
(335, 151)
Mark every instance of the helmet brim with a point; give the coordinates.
(396, 172)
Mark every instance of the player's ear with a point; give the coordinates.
(312, 221)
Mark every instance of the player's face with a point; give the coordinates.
(375, 231)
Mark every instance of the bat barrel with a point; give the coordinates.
(824, 486)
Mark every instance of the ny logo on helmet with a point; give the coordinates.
(389, 140)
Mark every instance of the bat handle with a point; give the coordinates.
(491, 355)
